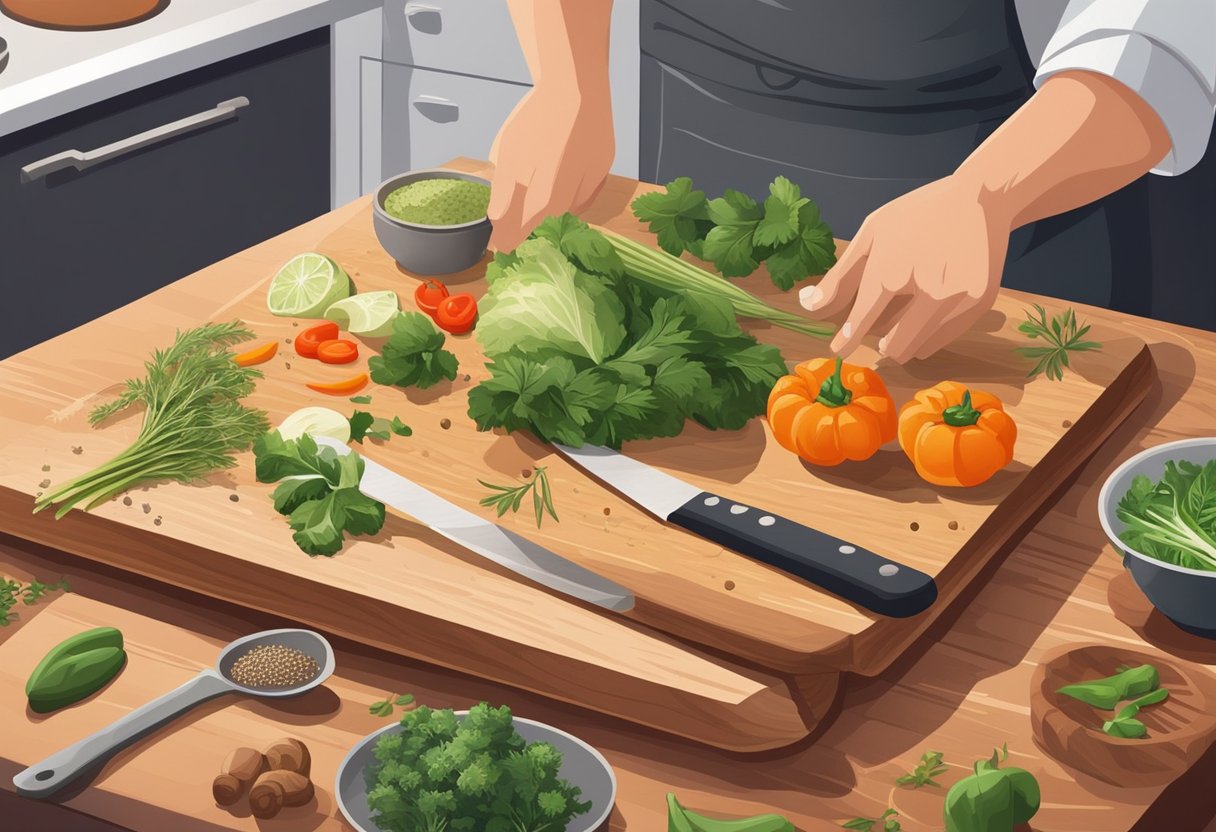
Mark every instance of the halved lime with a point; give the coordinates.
(306, 286)
(370, 313)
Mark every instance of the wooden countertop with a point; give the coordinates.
(961, 689)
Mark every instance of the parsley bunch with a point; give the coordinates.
(443, 773)
(579, 353)
(30, 594)
(413, 355)
(319, 495)
(737, 234)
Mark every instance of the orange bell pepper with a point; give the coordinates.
(257, 355)
(340, 388)
(829, 412)
(956, 436)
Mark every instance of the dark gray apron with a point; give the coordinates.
(861, 101)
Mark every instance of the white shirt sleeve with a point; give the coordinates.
(1165, 50)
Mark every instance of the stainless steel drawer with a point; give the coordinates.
(476, 37)
(431, 117)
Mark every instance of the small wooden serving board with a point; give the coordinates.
(410, 591)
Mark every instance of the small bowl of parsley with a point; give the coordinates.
(1159, 509)
(480, 769)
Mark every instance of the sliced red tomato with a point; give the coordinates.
(306, 342)
(337, 351)
(428, 296)
(457, 313)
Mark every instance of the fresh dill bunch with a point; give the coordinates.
(193, 418)
(1063, 336)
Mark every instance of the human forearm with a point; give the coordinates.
(565, 42)
(1079, 138)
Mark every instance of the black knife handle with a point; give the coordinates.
(853, 573)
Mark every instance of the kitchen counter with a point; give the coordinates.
(961, 689)
(53, 72)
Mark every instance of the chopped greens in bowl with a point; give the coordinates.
(1159, 509)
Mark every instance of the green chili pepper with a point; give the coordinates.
(1109, 692)
(1125, 724)
(991, 799)
(680, 819)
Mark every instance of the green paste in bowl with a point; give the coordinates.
(438, 202)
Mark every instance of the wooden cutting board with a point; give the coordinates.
(410, 591)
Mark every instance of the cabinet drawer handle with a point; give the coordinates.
(76, 159)
(424, 18)
(437, 109)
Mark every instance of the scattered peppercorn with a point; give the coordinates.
(236, 498)
(156, 522)
(45, 483)
(46, 467)
(77, 449)
(607, 511)
(729, 585)
(126, 501)
(914, 527)
(147, 507)
(952, 525)
(527, 472)
(445, 423)
(1067, 423)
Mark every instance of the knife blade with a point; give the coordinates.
(491, 541)
(842, 568)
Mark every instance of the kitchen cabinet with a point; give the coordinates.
(78, 243)
(450, 73)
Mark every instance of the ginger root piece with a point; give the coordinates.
(276, 789)
(288, 754)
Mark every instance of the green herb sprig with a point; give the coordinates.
(887, 819)
(11, 591)
(509, 497)
(194, 421)
(930, 766)
(737, 234)
(1062, 335)
(1173, 519)
(385, 706)
(413, 355)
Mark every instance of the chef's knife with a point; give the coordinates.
(491, 541)
(840, 567)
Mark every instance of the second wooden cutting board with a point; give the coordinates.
(411, 591)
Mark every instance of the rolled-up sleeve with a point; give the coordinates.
(1165, 50)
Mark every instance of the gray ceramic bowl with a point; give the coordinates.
(582, 765)
(429, 249)
(1185, 596)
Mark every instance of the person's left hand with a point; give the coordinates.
(941, 246)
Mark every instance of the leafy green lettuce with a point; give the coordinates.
(1173, 520)
(579, 353)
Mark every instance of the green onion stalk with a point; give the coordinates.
(193, 419)
(660, 269)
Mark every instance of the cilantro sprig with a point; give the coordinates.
(413, 355)
(888, 821)
(737, 234)
(1062, 336)
(321, 500)
(930, 766)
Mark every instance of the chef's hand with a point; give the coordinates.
(939, 247)
(552, 155)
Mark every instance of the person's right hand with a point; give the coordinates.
(552, 155)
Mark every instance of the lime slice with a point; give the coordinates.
(316, 421)
(306, 286)
(370, 313)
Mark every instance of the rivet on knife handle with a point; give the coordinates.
(853, 573)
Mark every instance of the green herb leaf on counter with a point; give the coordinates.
(324, 503)
(930, 766)
(193, 421)
(509, 497)
(11, 590)
(680, 819)
(405, 699)
(361, 399)
(360, 423)
(888, 821)
(1125, 724)
(381, 708)
(400, 428)
(1174, 519)
(413, 355)
(1062, 335)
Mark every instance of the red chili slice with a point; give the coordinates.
(337, 351)
(457, 313)
(428, 296)
(306, 342)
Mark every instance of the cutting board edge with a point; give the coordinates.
(774, 708)
(1128, 390)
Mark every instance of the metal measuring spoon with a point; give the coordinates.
(56, 771)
